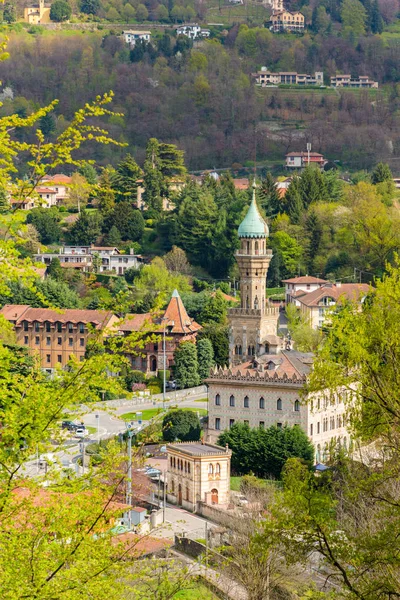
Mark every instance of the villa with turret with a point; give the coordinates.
(264, 382)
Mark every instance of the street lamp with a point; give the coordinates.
(129, 478)
(165, 320)
(98, 428)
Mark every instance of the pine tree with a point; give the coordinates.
(124, 179)
(153, 178)
(54, 270)
(113, 237)
(381, 173)
(294, 206)
(314, 229)
(186, 365)
(205, 357)
(269, 196)
(4, 202)
(105, 194)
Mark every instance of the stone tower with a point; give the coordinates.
(250, 324)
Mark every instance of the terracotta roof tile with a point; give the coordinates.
(176, 313)
(348, 291)
(18, 313)
(304, 279)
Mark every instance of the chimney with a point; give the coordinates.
(338, 284)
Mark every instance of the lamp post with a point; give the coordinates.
(165, 320)
(98, 428)
(129, 478)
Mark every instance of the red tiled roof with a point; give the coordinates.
(59, 178)
(45, 190)
(176, 313)
(241, 184)
(312, 154)
(136, 322)
(348, 291)
(137, 546)
(21, 312)
(304, 279)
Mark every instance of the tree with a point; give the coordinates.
(59, 294)
(353, 17)
(54, 270)
(105, 194)
(46, 222)
(265, 451)
(4, 201)
(124, 179)
(269, 196)
(182, 425)
(162, 15)
(60, 11)
(89, 173)
(78, 193)
(290, 253)
(47, 124)
(214, 310)
(9, 13)
(176, 261)
(141, 13)
(218, 336)
(314, 228)
(381, 173)
(90, 7)
(128, 12)
(186, 365)
(205, 357)
(86, 229)
(128, 220)
(293, 202)
(153, 179)
(113, 237)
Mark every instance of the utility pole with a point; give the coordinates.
(171, 323)
(308, 152)
(129, 475)
(98, 428)
(165, 494)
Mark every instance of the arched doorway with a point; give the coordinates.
(214, 496)
(153, 364)
(179, 494)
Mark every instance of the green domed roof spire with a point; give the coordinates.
(253, 225)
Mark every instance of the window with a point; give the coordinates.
(70, 341)
(232, 401)
(70, 327)
(188, 467)
(246, 403)
(231, 422)
(26, 339)
(279, 425)
(311, 429)
(218, 469)
(59, 341)
(297, 406)
(218, 423)
(59, 358)
(262, 424)
(48, 341)
(26, 325)
(81, 328)
(318, 427)
(37, 326)
(37, 340)
(81, 341)
(262, 403)
(59, 327)
(279, 404)
(217, 400)
(48, 358)
(210, 469)
(48, 326)
(156, 347)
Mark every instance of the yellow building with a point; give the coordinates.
(35, 15)
(284, 20)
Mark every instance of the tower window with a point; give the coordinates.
(279, 404)
(232, 401)
(246, 403)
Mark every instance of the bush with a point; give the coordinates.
(183, 425)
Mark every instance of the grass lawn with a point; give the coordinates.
(201, 400)
(91, 429)
(200, 592)
(153, 412)
(235, 483)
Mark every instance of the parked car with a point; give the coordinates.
(153, 473)
(171, 385)
(80, 431)
(70, 425)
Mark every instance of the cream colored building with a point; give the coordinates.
(284, 20)
(298, 286)
(35, 15)
(198, 472)
(251, 324)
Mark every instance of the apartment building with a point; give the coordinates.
(102, 259)
(327, 418)
(193, 32)
(346, 81)
(57, 336)
(131, 36)
(300, 286)
(286, 21)
(59, 183)
(266, 78)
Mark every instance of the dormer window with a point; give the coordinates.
(271, 366)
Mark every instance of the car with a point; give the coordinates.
(70, 425)
(171, 385)
(80, 432)
(153, 473)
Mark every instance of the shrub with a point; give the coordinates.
(183, 425)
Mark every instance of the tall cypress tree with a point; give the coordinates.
(314, 229)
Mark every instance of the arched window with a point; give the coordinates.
(279, 404)
(218, 469)
(210, 469)
(232, 401)
(236, 350)
(174, 463)
(262, 402)
(246, 402)
(187, 494)
(247, 302)
(256, 303)
(240, 350)
(297, 406)
(256, 248)
(248, 247)
(172, 486)
(153, 364)
(189, 467)
(267, 348)
(217, 400)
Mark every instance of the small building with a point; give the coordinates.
(300, 160)
(193, 31)
(315, 306)
(131, 36)
(56, 336)
(179, 328)
(48, 196)
(305, 284)
(265, 78)
(198, 472)
(59, 183)
(284, 20)
(101, 259)
(35, 15)
(346, 81)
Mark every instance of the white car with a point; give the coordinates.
(81, 432)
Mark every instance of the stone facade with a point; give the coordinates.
(198, 472)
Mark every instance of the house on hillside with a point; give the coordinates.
(300, 286)
(286, 21)
(59, 183)
(101, 259)
(193, 31)
(265, 78)
(345, 81)
(36, 15)
(131, 36)
(300, 160)
(48, 196)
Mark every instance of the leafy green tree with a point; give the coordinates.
(9, 13)
(265, 451)
(89, 173)
(46, 222)
(55, 270)
(86, 229)
(314, 229)
(218, 336)
(214, 310)
(186, 365)
(153, 178)
(60, 11)
(106, 194)
(290, 253)
(59, 294)
(320, 20)
(205, 357)
(162, 15)
(4, 201)
(128, 12)
(353, 17)
(381, 173)
(124, 179)
(141, 13)
(113, 237)
(182, 425)
(90, 7)
(128, 220)
(293, 202)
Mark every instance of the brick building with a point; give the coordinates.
(56, 336)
